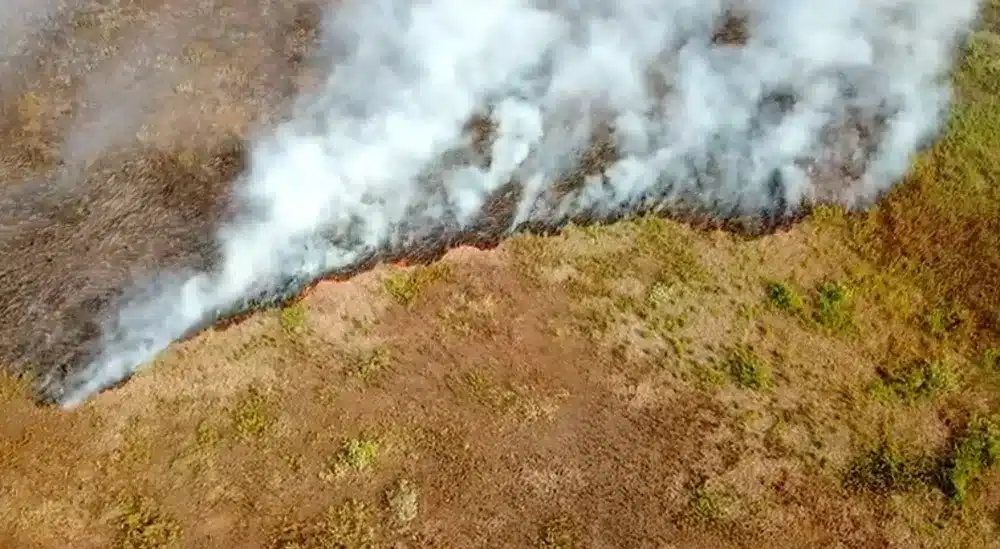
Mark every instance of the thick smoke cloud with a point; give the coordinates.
(822, 101)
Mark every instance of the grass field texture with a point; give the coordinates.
(639, 384)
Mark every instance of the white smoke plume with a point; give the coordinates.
(734, 129)
(21, 24)
(19, 21)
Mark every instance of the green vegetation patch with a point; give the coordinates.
(833, 309)
(921, 379)
(356, 454)
(885, 468)
(293, 318)
(783, 297)
(506, 400)
(713, 506)
(971, 456)
(748, 370)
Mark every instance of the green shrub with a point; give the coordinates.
(971, 456)
(783, 297)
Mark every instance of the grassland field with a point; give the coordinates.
(639, 384)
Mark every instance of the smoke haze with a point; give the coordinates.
(812, 102)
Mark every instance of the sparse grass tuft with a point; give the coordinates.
(503, 399)
(293, 318)
(253, 347)
(711, 506)
(829, 215)
(885, 469)
(970, 457)
(404, 502)
(556, 533)
(13, 388)
(943, 322)
(206, 436)
(142, 525)
(595, 275)
(991, 359)
(368, 364)
(605, 269)
(347, 526)
(671, 248)
(919, 380)
(253, 415)
(136, 444)
(469, 312)
(707, 507)
(528, 253)
(832, 307)
(661, 311)
(783, 297)
(356, 454)
(748, 370)
(406, 285)
(709, 376)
